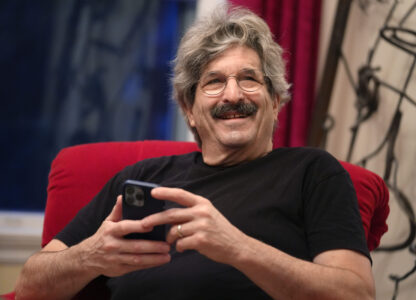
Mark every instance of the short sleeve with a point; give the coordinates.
(332, 218)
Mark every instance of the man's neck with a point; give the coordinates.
(229, 156)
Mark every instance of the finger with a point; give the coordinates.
(186, 243)
(177, 195)
(143, 247)
(126, 263)
(125, 227)
(144, 260)
(116, 213)
(170, 216)
(177, 232)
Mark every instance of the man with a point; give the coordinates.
(247, 221)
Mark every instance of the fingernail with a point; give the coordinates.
(147, 228)
(168, 258)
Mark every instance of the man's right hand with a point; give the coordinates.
(59, 272)
(108, 253)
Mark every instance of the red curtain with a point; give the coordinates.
(295, 25)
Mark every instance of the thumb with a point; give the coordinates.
(116, 213)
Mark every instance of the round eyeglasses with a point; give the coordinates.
(214, 83)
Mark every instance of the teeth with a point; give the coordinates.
(233, 116)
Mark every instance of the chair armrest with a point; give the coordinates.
(8, 296)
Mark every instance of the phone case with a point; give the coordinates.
(138, 203)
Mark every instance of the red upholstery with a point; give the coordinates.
(9, 296)
(373, 198)
(79, 172)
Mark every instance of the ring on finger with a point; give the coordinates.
(179, 231)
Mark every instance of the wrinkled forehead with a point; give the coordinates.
(233, 60)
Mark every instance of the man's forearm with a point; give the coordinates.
(285, 277)
(52, 275)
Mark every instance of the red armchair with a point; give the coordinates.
(79, 172)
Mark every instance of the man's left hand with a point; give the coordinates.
(198, 226)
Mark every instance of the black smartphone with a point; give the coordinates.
(138, 203)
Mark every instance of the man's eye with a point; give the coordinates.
(249, 78)
(213, 81)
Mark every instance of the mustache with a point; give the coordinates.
(242, 108)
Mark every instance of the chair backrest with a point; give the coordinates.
(79, 172)
(373, 201)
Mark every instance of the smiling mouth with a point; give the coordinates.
(237, 110)
(231, 115)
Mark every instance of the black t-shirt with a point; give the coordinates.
(299, 200)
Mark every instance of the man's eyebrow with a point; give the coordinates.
(211, 73)
(248, 70)
(216, 72)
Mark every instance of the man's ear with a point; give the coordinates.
(189, 115)
(276, 105)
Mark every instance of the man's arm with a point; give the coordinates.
(59, 272)
(335, 274)
(53, 273)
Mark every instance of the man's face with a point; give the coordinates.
(218, 120)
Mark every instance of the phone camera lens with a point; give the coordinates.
(139, 195)
(130, 200)
(134, 196)
(130, 190)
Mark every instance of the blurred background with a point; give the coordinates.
(83, 71)
(76, 72)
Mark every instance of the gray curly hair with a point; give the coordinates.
(207, 38)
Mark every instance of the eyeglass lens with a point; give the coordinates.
(248, 80)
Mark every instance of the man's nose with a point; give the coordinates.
(232, 91)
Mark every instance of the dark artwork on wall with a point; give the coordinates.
(77, 72)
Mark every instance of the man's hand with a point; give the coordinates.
(334, 274)
(202, 227)
(109, 253)
(59, 272)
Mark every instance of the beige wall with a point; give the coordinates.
(20, 237)
(8, 276)
(360, 35)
